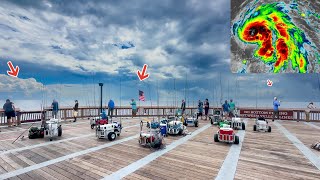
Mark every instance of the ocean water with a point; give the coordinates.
(30, 105)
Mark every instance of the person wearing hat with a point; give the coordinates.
(9, 111)
(75, 110)
(309, 108)
(276, 105)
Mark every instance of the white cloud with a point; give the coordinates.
(14, 84)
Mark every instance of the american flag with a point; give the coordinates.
(141, 96)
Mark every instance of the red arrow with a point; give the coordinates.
(269, 82)
(142, 76)
(13, 71)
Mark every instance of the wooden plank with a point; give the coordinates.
(79, 168)
(274, 155)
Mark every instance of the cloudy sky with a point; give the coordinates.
(65, 48)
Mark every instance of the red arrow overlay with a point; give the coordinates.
(269, 82)
(142, 76)
(13, 71)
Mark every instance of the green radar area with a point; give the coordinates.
(275, 36)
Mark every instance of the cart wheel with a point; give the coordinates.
(92, 126)
(269, 129)
(211, 120)
(254, 127)
(41, 134)
(112, 136)
(117, 132)
(180, 132)
(216, 138)
(196, 124)
(50, 139)
(236, 139)
(243, 126)
(59, 130)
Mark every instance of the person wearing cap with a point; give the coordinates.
(9, 111)
(75, 110)
(309, 108)
(276, 105)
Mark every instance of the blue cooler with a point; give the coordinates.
(163, 129)
(155, 125)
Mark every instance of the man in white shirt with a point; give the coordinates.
(309, 108)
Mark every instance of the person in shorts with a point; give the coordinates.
(9, 111)
(75, 110)
(276, 105)
(226, 109)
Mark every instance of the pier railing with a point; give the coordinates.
(66, 113)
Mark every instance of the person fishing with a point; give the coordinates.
(226, 109)
(55, 108)
(183, 106)
(206, 108)
(309, 108)
(110, 108)
(75, 110)
(133, 107)
(9, 111)
(232, 108)
(276, 105)
(200, 109)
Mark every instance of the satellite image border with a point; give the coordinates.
(303, 16)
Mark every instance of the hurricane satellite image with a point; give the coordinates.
(275, 36)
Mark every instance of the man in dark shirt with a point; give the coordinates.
(206, 108)
(75, 110)
(183, 106)
(9, 112)
(55, 108)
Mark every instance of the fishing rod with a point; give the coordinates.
(220, 90)
(148, 84)
(41, 107)
(120, 102)
(158, 101)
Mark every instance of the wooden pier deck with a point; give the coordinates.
(78, 154)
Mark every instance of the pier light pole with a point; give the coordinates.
(100, 84)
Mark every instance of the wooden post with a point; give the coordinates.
(65, 114)
(18, 118)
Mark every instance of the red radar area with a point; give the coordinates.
(282, 52)
(258, 32)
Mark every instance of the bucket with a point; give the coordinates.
(163, 129)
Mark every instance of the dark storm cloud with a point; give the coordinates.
(198, 22)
